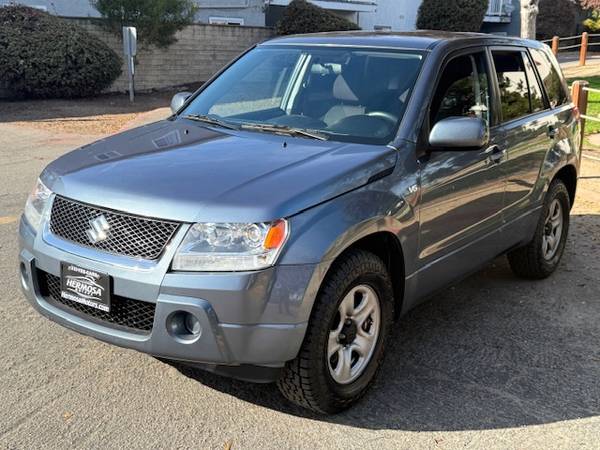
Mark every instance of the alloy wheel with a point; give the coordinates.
(553, 227)
(354, 334)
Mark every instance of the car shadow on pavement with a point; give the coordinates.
(41, 110)
(492, 352)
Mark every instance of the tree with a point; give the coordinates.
(529, 13)
(590, 4)
(556, 18)
(156, 21)
(452, 15)
(303, 17)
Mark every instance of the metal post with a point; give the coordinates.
(584, 49)
(130, 77)
(555, 44)
(130, 50)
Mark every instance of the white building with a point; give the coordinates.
(395, 15)
(348, 9)
(391, 15)
(501, 17)
(63, 8)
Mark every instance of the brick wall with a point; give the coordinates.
(199, 52)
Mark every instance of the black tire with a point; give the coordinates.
(528, 261)
(306, 380)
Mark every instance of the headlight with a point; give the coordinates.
(36, 203)
(231, 246)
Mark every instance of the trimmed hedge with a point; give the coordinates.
(452, 15)
(302, 17)
(44, 56)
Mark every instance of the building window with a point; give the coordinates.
(383, 28)
(225, 21)
(223, 3)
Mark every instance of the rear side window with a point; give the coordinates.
(557, 94)
(515, 96)
(535, 91)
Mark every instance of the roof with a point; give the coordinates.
(417, 40)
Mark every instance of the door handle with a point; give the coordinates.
(495, 154)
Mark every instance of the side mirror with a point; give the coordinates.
(459, 133)
(178, 100)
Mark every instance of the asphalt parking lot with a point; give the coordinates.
(493, 362)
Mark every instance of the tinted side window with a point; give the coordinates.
(463, 89)
(555, 89)
(535, 91)
(514, 92)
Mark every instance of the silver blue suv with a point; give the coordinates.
(277, 225)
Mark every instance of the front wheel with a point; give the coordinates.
(344, 342)
(541, 256)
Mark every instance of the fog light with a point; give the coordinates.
(24, 276)
(192, 325)
(184, 326)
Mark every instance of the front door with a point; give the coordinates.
(461, 190)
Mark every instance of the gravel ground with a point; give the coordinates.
(493, 362)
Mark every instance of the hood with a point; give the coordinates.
(181, 170)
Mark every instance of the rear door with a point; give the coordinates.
(528, 128)
(566, 135)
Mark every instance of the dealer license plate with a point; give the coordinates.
(85, 286)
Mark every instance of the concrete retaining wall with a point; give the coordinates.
(199, 52)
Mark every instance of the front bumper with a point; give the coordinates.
(247, 318)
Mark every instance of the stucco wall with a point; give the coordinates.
(68, 8)
(251, 11)
(200, 51)
(399, 15)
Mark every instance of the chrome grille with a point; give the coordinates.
(134, 236)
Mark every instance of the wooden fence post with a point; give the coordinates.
(555, 43)
(580, 99)
(584, 48)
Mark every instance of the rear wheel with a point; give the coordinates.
(541, 256)
(344, 343)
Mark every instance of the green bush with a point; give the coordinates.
(556, 18)
(302, 17)
(44, 56)
(592, 23)
(156, 21)
(451, 15)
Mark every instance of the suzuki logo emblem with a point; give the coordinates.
(99, 229)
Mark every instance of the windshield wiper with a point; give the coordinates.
(211, 120)
(282, 129)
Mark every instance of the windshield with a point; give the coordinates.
(345, 94)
